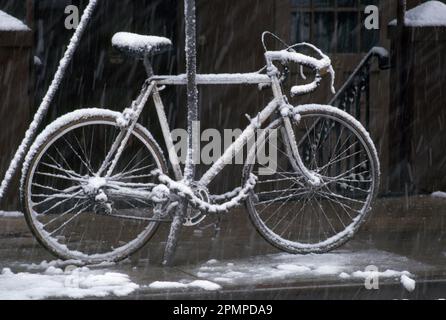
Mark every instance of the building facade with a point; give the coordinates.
(229, 39)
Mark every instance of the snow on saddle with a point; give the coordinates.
(139, 46)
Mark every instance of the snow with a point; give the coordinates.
(408, 283)
(212, 261)
(205, 285)
(167, 285)
(439, 194)
(197, 284)
(293, 268)
(273, 268)
(427, 14)
(380, 51)
(76, 283)
(10, 214)
(48, 264)
(283, 268)
(139, 44)
(384, 274)
(10, 23)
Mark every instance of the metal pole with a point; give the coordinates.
(192, 91)
(403, 114)
(401, 13)
(192, 116)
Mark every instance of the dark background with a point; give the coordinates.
(229, 41)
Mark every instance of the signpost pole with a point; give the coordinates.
(192, 117)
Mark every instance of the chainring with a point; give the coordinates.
(194, 216)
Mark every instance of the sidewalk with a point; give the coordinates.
(403, 235)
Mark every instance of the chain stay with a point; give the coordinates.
(184, 191)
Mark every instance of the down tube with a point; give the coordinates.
(231, 152)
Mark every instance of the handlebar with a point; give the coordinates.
(322, 66)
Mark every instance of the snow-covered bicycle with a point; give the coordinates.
(96, 185)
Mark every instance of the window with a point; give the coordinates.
(335, 26)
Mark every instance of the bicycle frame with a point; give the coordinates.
(152, 88)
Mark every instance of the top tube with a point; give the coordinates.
(215, 79)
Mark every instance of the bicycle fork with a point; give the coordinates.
(286, 111)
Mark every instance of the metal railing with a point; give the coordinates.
(355, 92)
(354, 98)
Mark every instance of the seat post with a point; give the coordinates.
(148, 66)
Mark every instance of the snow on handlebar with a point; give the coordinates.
(322, 66)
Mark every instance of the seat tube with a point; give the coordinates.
(173, 156)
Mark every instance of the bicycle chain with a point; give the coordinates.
(182, 190)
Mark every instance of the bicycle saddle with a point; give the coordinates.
(138, 46)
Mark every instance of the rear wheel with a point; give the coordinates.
(77, 214)
(297, 217)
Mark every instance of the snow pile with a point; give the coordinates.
(385, 274)
(75, 283)
(427, 14)
(439, 194)
(197, 284)
(380, 51)
(408, 283)
(9, 23)
(10, 214)
(404, 276)
(44, 265)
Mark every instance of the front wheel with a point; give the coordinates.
(74, 212)
(298, 217)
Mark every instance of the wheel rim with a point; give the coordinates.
(302, 219)
(62, 194)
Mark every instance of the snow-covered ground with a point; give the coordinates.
(197, 284)
(72, 282)
(285, 268)
(282, 268)
(11, 214)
